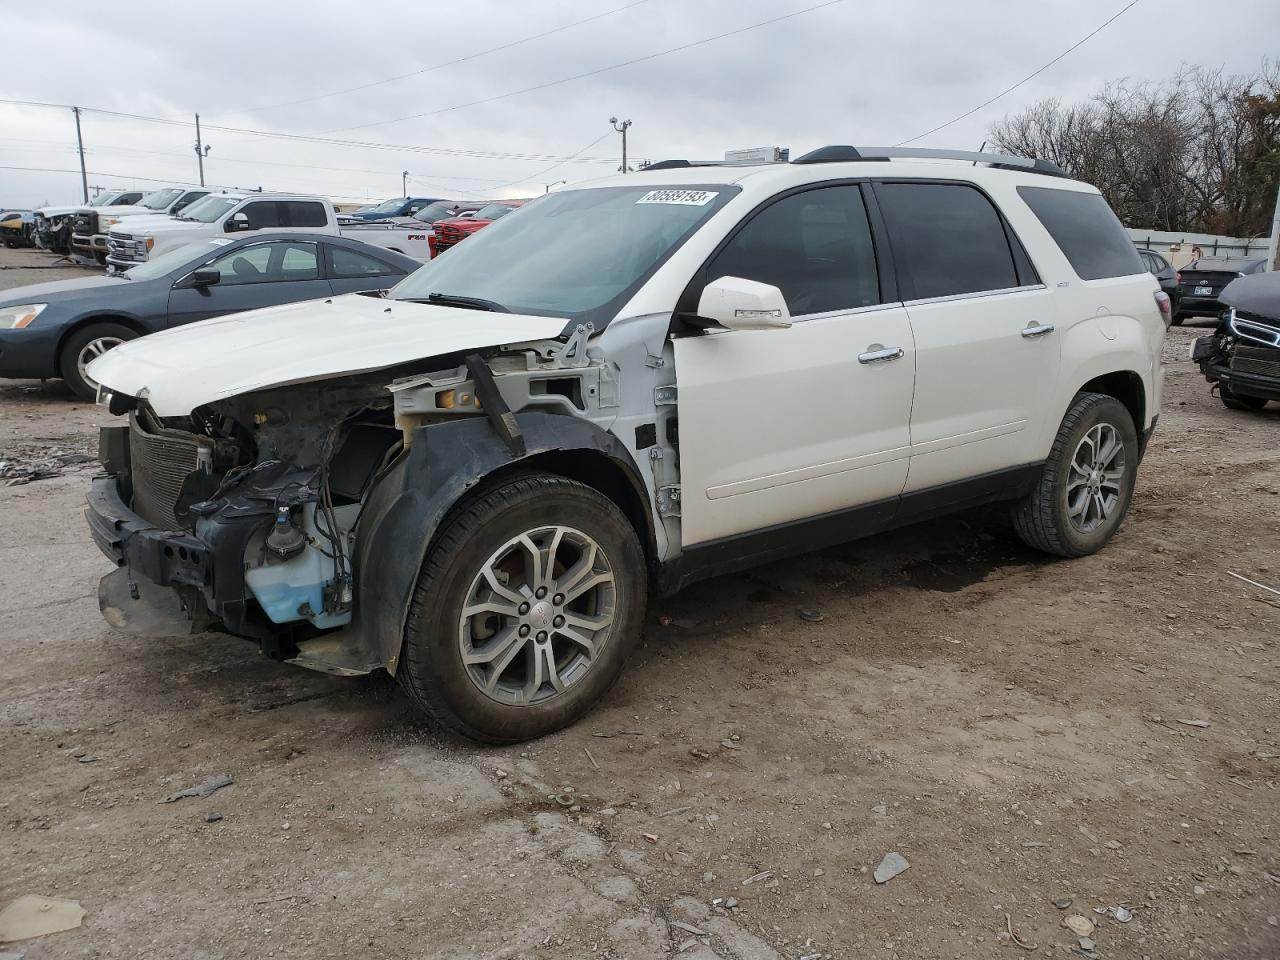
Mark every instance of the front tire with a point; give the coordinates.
(1239, 401)
(525, 609)
(84, 346)
(1087, 482)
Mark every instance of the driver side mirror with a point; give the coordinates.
(738, 304)
(238, 221)
(206, 277)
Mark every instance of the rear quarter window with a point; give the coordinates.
(1086, 230)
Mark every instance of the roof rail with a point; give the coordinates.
(837, 153)
(681, 164)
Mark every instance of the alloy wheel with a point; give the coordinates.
(537, 615)
(92, 351)
(1095, 478)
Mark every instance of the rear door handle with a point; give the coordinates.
(1037, 330)
(879, 354)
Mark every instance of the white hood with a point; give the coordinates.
(129, 210)
(50, 212)
(149, 225)
(180, 369)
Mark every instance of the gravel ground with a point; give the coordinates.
(1012, 726)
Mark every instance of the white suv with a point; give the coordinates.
(475, 483)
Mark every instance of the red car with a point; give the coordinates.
(449, 232)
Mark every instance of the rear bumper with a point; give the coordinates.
(1190, 306)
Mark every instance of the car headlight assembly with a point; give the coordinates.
(106, 223)
(16, 318)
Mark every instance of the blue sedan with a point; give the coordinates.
(55, 329)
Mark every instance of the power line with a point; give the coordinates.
(1030, 76)
(592, 73)
(450, 63)
(540, 173)
(310, 138)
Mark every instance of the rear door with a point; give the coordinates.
(983, 323)
(782, 425)
(263, 274)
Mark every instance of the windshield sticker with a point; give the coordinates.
(220, 242)
(691, 198)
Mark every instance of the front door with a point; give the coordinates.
(987, 351)
(263, 274)
(782, 425)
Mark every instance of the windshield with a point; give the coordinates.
(102, 199)
(440, 210)
(208, 209)
(493, 211)
(161, 199)
(166, 263)
(389, 206)
(578, 254)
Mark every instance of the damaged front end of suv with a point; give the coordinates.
(298, 516)
(1242, 357)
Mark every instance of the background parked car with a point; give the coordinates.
(457, 229)
(1168, 278)
(1203, 279)
(16, 227)
(395, 207)
(55, 329)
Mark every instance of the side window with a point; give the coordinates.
(262, 213)
(302, 213)
(814, 246)
(268, 263)
(347, 264)
(1086, 230)
(947, 239)
(188, 198)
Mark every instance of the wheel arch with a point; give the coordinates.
(125, 320)
(1126, 386)
(445, 467)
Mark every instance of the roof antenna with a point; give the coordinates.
(980, 150)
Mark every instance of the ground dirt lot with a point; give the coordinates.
(1008, 724)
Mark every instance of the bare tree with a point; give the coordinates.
(1199, 153)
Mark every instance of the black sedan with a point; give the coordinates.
(56, 329)
(1201, 281)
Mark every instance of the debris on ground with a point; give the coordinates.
(892, 865)
(212, 817)
(762, 875)
(35, 916)
(1195, 723)
(1062, 903)
(1008, 925)
(16, 471)
(205, 789)
(1078, 924)
(811, 614)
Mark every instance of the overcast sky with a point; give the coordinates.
(850, 72)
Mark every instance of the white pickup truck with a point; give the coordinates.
(138, 239)
(89, 225)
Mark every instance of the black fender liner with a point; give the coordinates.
(404, 510)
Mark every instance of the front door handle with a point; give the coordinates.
(879, 354)
(1037, 330)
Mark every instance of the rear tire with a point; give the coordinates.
(83, 346)
(544, 640)
(1239, 401)
(1087, 482)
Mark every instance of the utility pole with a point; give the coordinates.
(84, 177)
(202, 150)
(546, 188)
(404, 183)
(622, 129)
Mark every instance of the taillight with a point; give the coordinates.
(1165, 305)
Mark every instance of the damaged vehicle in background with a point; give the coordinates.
(53, 225)
(1242, 357)
(89, 225)
(475, 482)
